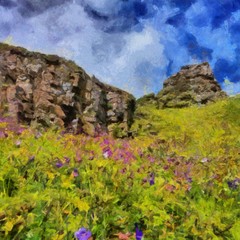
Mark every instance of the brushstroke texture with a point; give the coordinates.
(132, 44)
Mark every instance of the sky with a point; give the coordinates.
(131, 44)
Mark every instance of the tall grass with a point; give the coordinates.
(177, 179)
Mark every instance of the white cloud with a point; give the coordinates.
(104, 6)
(218, 39)
(231, 88)
(113, 58)
(123, 67)
(133, 59)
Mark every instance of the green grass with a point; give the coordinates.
(211, 130)
(53, 184)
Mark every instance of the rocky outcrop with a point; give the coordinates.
(147, 99)
(47, 90)
(194, 84)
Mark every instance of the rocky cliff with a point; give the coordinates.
(47, 90)
(193, 84)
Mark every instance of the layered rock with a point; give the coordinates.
(194, 84)
(49, 91)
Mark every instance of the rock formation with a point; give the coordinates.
(147, 99)
(47, 90)
(194, 84)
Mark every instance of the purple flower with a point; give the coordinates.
(234, 184)
(166, 167)
(189, 179)
(106, 141)
(78, 156)
(139, 233)
(75, 172)
(151, 159)
(67, 159)
(83, 234)
(107, 152)
(152, 179)
(59, 164)
(140, 153)
(2, 134)
(171, 160)
(20, 130)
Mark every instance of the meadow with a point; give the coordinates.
(178, 178)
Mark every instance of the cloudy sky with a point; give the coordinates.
(132, 44)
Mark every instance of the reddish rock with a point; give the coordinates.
(47, 90)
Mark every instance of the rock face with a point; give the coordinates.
(194, 84)
(47, 90)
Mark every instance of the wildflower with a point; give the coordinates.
(38, 135)
(91, 157)
(20, 130)
(107, 152)
(171, 160)
(144, 180)
(18, 143)
(151, 159)
(166, 167)
(2, 134)
(234, 184)
(31, 159)
(177, 173)
(75, 172)
(189, 179)
(78, 156)
(139, 233)
(170, 187)
(123, 236)
(67, 159)
(204, 160)
(152, 179)
(140, 153)
(106, 141)
(59, 164)
(83, 234)
(124, 170)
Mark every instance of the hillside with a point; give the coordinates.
(207, 130)
(177, 179)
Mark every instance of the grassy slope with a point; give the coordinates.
(210, 130)
(53, 184)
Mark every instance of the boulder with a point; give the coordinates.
(193, 84)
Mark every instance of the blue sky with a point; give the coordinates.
(132, 44)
